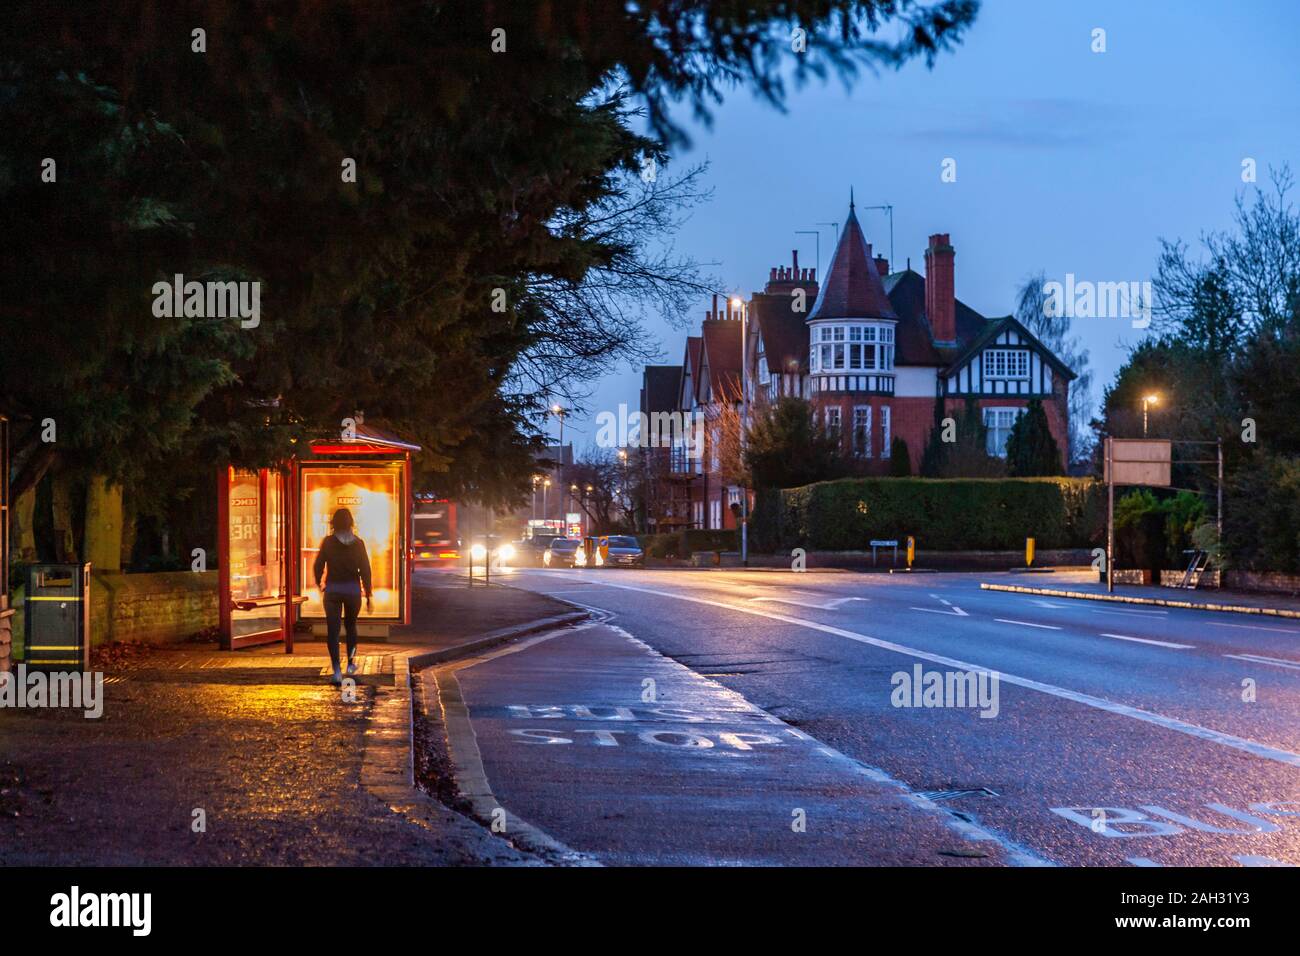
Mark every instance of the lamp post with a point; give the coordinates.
(739, 304)
(627, 501)
(1147, 402)
(546, 486)
(535, 497)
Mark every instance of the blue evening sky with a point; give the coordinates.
(1067, 160)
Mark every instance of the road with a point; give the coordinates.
(1112, 735)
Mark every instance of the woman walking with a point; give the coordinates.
(343, 557)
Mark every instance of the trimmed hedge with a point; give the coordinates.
(680, 544)
(943, 514)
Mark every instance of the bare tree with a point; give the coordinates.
(1053, 330)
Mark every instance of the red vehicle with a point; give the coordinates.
(434, 540)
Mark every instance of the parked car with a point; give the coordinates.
(624, 551)
(561, 553)
(611, 550)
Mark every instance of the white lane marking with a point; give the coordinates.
(1147, 640)
(1252, 747)
(1260, 659)
(1248, 860)
(1143, 861)
(1255, 627)
(955, 612)
(1046, 627)
(1103, 610)
(827, 606)
(1041, 603)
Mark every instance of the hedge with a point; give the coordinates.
(680, 544)
(953, 514)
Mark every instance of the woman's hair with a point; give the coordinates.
(342, 520)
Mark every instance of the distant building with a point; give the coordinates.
(878, 354)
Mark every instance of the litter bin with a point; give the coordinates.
(58, 617)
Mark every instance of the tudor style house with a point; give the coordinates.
(879, 354)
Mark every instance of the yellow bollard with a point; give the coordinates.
(1029, 552)
(911, 551)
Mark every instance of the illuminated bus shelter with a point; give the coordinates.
(274, 520)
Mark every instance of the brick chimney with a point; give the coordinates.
(882, 266)
(940, 302)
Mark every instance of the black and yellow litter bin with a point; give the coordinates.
(57, 635)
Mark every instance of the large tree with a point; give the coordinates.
(498, 242)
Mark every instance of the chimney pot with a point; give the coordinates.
(795, 254)
(882, 265)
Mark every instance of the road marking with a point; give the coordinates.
(1260, 659)
(828, 606)
(1046, 627)
(1255, 627)
(1147, 640)
(1099, 610)
(1248, 860)
(1048, 604)
(1143, 861)
(1245, 745)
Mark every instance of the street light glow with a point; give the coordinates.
(1152, 399)
(478, 552)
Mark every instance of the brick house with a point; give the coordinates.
(878, 354)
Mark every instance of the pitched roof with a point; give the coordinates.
(995, 327)
(852, 288)
(784, 331)
(660, 384)
(722, 341)
(913, 338)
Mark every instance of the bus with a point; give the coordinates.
(434, 540)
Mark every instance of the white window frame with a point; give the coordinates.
(832, 420)
(885, 436)
(1006, 365)
(999, 420)
(834, 347)
(862, 448)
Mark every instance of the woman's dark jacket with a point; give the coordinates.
(346, 563)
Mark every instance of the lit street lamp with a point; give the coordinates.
(1147, 402)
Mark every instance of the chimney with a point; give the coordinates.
(795, 268)
(940, 302)
(882, 266)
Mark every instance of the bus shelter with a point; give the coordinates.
(274, 520)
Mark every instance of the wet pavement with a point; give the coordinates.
(247, 757)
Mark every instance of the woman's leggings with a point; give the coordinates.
(346, 606)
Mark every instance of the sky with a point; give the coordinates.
(1067, 161)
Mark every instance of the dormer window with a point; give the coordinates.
(853, 347)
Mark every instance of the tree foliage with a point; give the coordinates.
(1032, 452)
(788, 448)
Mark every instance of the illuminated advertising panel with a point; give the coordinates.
(374, 495)
(255, 552)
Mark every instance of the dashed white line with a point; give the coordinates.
(1243, 744)
(1046, 627)
(1255, 627)
(1147, 640)
(1261, 659)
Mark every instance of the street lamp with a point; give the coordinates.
(546, 486)
(1147, 402)
(739, 304)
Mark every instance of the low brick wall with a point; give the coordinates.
(147, 608)
(152, 608)
(1272, 582)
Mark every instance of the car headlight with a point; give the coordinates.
(506, 552)
(478, 552)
